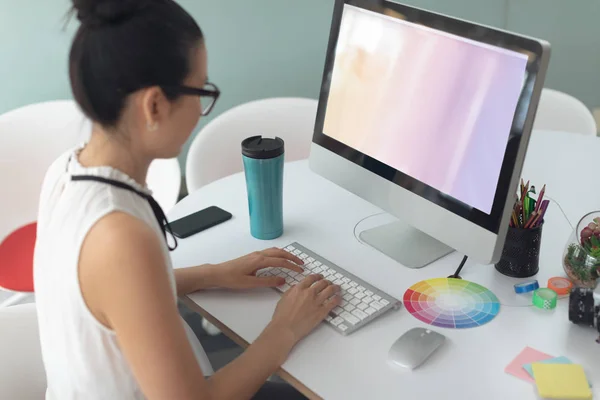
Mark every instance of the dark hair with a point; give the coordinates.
(126, 45)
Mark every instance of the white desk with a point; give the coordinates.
(471, 364)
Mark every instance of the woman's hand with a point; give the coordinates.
(305, 305)
(241, 272)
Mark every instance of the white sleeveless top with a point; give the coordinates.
(81, 356)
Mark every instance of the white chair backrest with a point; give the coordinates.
(31, 138)
(216, 151)
(558, 111)
(22, 374)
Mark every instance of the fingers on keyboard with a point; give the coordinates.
(353, 304)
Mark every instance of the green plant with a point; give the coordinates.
(583, 264)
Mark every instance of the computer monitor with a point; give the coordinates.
(427, 117)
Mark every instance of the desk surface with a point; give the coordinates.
(323, 217)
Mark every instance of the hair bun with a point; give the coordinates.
(106, 12)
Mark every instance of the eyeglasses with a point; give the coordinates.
(208, 95)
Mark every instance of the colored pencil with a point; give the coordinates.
(540, 198)
(532, 218)
(542, 213)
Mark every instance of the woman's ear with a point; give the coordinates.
(155, 107)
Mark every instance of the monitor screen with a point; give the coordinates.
(435, 106)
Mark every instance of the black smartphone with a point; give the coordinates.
(199, 221)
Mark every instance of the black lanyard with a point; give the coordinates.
(156, 209)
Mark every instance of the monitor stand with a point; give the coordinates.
(405, 244)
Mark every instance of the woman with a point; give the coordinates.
(106, 292)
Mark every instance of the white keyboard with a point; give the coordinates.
(361, 302)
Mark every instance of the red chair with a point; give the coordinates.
(31, 138)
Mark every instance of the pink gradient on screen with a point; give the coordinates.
(431, 105)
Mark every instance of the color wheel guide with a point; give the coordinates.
(451, 303)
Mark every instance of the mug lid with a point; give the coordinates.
(262, 148)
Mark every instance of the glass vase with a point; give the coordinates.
(581, 258)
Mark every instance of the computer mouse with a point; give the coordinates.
(414, 347)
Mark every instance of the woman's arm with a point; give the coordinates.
(237, 274)
(125, 284)
(192, 279)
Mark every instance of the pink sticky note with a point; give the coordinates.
(527, 356)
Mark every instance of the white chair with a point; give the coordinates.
(22, 374)
(216, 151)
(31, 138)
(558, 111)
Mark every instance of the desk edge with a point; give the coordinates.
(243, 343)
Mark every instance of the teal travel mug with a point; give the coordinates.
(263, 167)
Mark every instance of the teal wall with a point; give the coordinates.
(264, 48)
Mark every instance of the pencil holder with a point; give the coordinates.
(521, 252)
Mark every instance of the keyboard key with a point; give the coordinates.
(362, 306)
(297, 252)
(294, 283)
(354, 301)
(328, 318)
(368, 293)
(303, 256)
(282, 274)
(384, 302)
(359, 314)
(326, 273)
(353, 284)
(350, 318)
(361, 288)
(336, 321)
(306, 272)
(360, 295)
(342, 327)
(293, 274)
(348, 297)
(284, 288)
(333, 271)
(317, 270)
(346, 280)
(376, 305)
(337, 310)
(375, 297)
(318, 264)
(352, 290)
(370, 310)
(338, 282)
(338, 275)
(345, 286)
(289, 280)
(367, 300)
(310, 259)
(349, 307)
